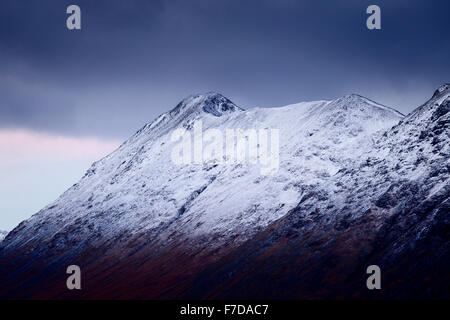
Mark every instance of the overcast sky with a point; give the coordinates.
(133, 60)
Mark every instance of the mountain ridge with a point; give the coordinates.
(342, 171)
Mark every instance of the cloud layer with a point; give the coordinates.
(135, 59)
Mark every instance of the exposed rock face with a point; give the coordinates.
(358, 184)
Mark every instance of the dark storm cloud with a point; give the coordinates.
(135, 59)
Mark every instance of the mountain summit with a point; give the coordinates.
(358, 183)
(212, 103)
(443, 89)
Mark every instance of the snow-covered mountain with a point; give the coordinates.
(350, 171)
(390, 209)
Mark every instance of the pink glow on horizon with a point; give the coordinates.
(22, 145)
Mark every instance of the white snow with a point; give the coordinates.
(3, 234)
(138, 188)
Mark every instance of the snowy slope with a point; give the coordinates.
(390, 209)
(3, 235)
(357, 182)
(138, 190)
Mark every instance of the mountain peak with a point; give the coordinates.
(358, 101)
(212, 102)
(354, 97)
(442, 89)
